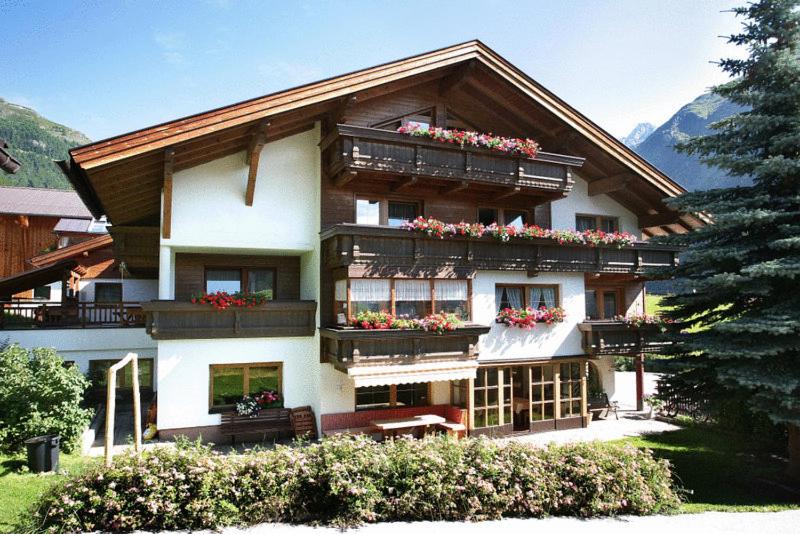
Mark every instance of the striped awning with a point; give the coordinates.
(384, 375)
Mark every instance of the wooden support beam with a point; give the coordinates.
(339, 113)
(166, 216)
(452, 81)
(609, 184)
(508, 193)
(257, 142)
(455, 188)
(440, 115)
(659, 219)
(343, 178)
(405, 182)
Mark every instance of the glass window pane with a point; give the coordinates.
(493, 417)
(42, 292)
(227, 385)
(487, 216)
(373, 397)
(591, 304)
(609, 304)
(228, 280)
(480, 418)
(492, 396)
(507, 415)
(105, 292)
(368, 211)
(400, 212)
(537, 412)
(608, 224)
(515, 218)
(262, 378)
(491, 376)
(412, 394)
(412, 309)
(480, 378)
(548, 373)
(583, 223)
(261, 280)
(549, 412)
(480, 397)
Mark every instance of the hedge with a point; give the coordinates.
(348, 481)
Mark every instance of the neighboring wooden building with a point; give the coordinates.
(300, 194)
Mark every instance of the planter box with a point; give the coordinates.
(166, 319)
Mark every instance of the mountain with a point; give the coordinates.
(35, 142)
(639, 133)
(691, 120)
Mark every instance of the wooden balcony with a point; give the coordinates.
(168, 319)
(351, 347)
(353, 149)
(602, 338)
(382, 251)
(25, 314)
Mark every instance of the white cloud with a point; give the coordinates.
(172, 45)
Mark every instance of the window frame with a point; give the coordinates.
(383, 206)
(243, 276)
(501, 214)
(106, 284)
(393, 398)
(597, 220)
(245, 384)
(600, 291)
(392, 296)
(526, 293)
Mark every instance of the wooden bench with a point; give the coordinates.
(272, 422)
(452, 428)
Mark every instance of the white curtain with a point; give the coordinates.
(514, 295)
(498, 297)
(412, 290)
(535, 297)
(549, 294)
(340, 291)
(368, 290)
(451, 289)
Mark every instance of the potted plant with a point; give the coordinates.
(654, 405)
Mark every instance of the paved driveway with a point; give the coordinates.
(707, 523)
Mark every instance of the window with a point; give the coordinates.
(409, 298)
(377, 211)
(108, 292)
(452, 296)
(487, 390)
(570, 375)
(42, 292)
(422, 118)
(487, 216)
(459, 393)
(233, 280)
(230, 382)
(393, 396)
(596, 222)
(603, 303)
(542, 392)
(412, 298)
(370, 295)
(98, 374)
(533, 296)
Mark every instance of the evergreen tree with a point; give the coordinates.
(737, 302)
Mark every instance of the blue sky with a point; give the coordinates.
(110, 67)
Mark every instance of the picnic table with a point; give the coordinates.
(418, 421)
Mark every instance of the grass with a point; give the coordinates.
(723, 472)
(652, 303)
(19, 489)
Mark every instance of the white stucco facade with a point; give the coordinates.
(563, 211)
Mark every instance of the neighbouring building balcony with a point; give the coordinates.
(601, 338)
(384, 251)
(353, 149)
(349, 348)
(166, 319)
(21, 315)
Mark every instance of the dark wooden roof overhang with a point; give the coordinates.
(72, 251)
(40, 276)
(123, 176)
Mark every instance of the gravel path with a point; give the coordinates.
(787, 522)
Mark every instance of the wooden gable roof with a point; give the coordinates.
(122, 176)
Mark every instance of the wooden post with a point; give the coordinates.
(111, 401)
(111, 404)
(137, 405)
(639, 366)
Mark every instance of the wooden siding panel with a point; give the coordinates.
(20, 241)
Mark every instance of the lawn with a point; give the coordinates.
(723, 472)
(18, 490)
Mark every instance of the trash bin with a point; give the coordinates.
(43, 452)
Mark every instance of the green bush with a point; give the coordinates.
(39, 395)
(351, 480)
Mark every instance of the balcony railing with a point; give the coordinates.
(601, 338)
(356, 148)
(20, 315)
(352, 347)
(383, 251)
(167, 319)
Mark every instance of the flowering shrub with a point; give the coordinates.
(222, 300)
(438, 229)
(507, 145)
(642, 319)
(438, 322)
(250, 406)
(528, 317)
(348, 481)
